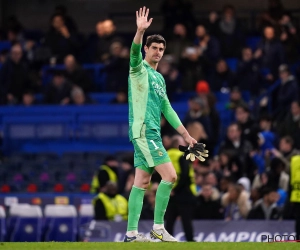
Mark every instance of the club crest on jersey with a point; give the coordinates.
(158, 89)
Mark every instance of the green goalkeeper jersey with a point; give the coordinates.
(147, 96)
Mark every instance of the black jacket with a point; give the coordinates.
(257, 213)
(208, 210)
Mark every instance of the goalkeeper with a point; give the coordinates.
(147, 100)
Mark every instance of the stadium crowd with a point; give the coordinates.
(247, 174)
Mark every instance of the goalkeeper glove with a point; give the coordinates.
(197, 151)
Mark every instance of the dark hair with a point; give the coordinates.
(155, 39)
(235, 124)
(265, 190)
(243, 107)
(266, 117)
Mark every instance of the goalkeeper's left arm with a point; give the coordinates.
(175, 122)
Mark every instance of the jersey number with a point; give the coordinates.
(155, 146)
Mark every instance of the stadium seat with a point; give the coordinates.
(86, 213)
(232, 63)
(252, 42)
(5, 45)
(2, 224)
(28, 226)
(61, 223)
(12, 218)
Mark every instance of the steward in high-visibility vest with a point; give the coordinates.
(109, 205)
(106, 172)
(183, 196)
(295, 191)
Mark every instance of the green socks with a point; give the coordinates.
(135, 205)
(161, 201)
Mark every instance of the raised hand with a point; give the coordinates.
(142, 19)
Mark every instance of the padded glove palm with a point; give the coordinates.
(197, 151)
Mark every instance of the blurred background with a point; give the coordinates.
(232, 73)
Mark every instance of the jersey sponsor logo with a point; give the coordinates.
(160, 153)
(159, 89)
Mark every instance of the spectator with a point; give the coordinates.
(208, 46)
(287, 93)
(121, 97)
(182, 200)
(75, 74)
(191, 67)
(172, 77)
(289, 39)
(223, 79)
(236, 203)
(245, 184)
(109, 205)
(238, 148)
(58, 92)
(28, 99)
(197, 113)
(208, 206)
(178, 42)
(60, 39)
(270, 53)
(247, 124)
(109, 171)
(275, 177)
(230, 165)
(266, 208)
(78, 97)
(106, 36)
(14, 77)
(69, 21)
(248, 73)
(228, 31)
(291, 124)
(286, 151)
(236, 99)
(117, 61)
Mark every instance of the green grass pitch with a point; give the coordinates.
(150, 246)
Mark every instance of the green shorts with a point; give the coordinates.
(149, 151)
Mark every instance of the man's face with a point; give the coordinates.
(272, 197)
(241, 115)
(264, 124)
(295, 109)
(247, 55)
(221, 67)
(108, 27)
(70, 62)
(206, 191)
(58, 80)
(233, 133)
(57, 22)
(200, 31)
(284, 146)
(180, 30)
(16, 53)
(269, 33)
(283, 75)
(155, 52)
